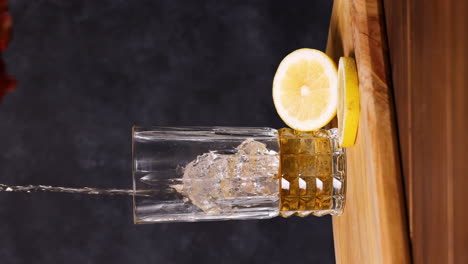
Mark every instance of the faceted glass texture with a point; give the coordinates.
(312, 171)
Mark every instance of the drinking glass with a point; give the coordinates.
(221, 173)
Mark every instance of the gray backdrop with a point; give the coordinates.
(88, 70)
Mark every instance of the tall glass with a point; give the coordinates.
(222, 173)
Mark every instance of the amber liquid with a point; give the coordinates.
(311, 171)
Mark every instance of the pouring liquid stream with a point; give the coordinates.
(84, 190)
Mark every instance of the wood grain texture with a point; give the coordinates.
(428, 42)
(373, 227)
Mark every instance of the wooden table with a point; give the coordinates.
(406, 174)
(427, 48)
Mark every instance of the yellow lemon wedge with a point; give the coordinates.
(305, 90)
(348, 102)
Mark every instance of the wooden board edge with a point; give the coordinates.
(373, 228)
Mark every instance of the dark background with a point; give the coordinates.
(88, 70)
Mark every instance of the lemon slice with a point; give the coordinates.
(348, 102)
(305, 90)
